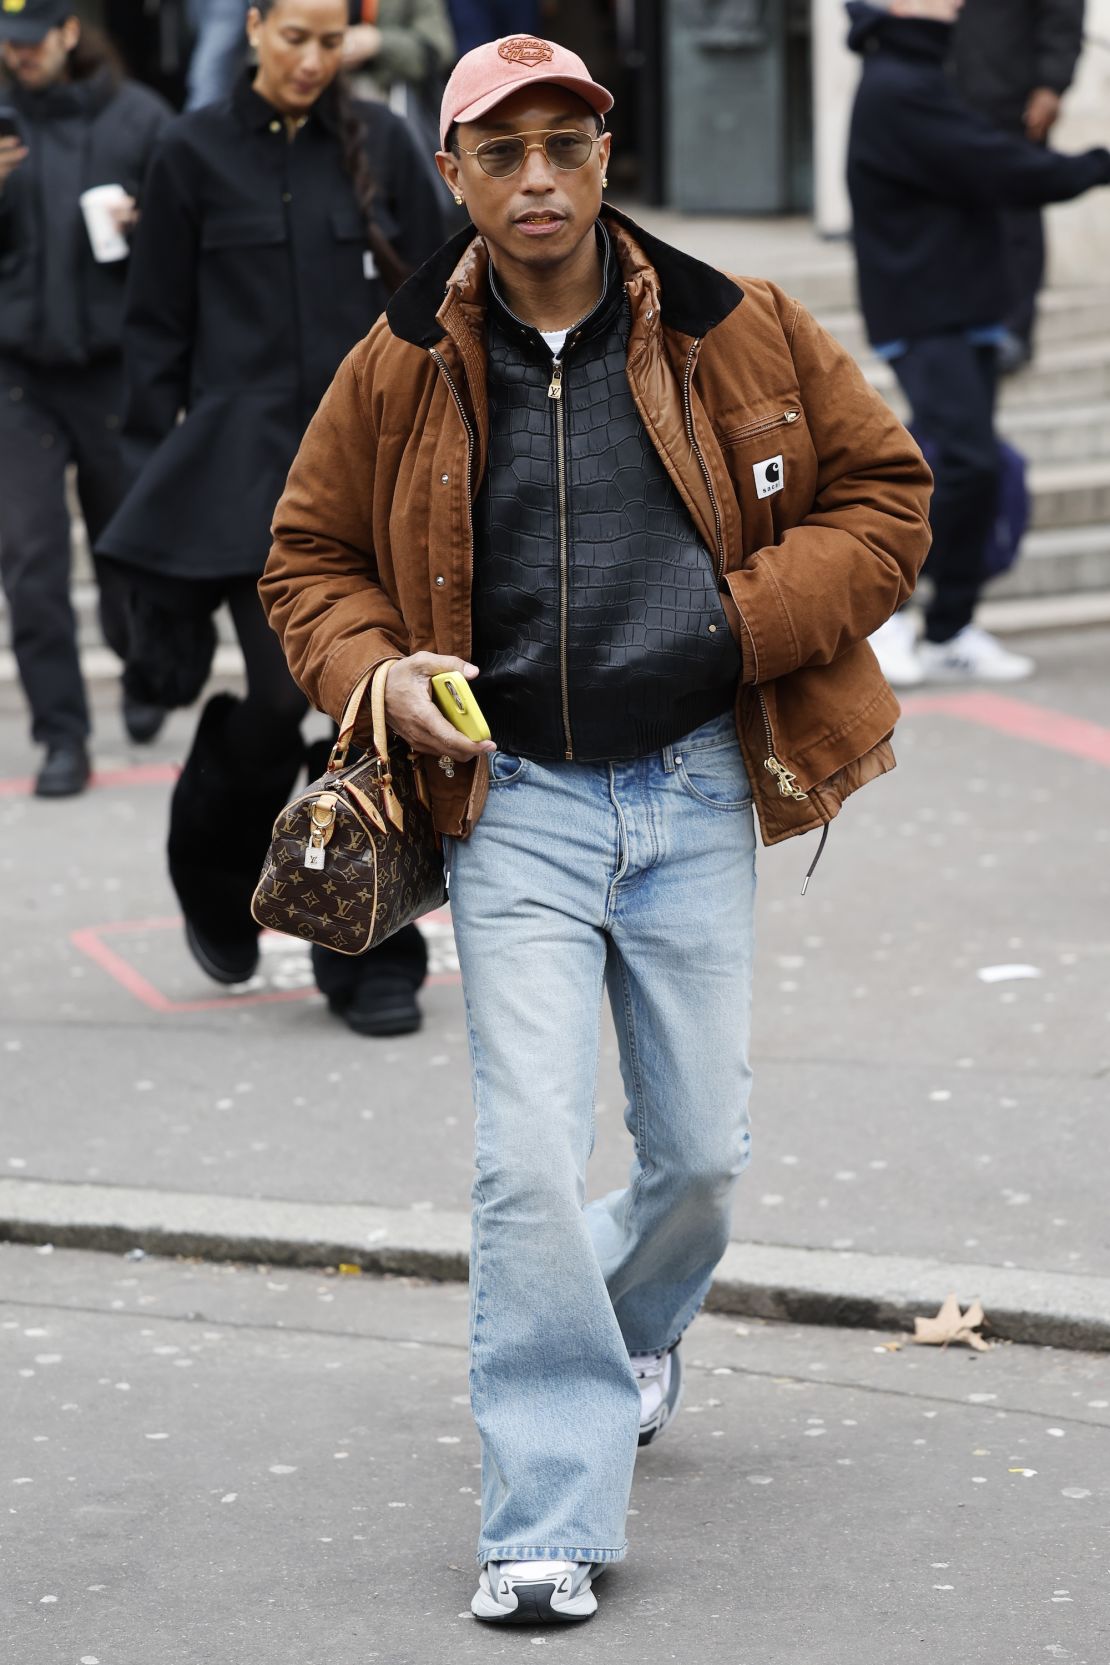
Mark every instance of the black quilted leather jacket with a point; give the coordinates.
(598, 627)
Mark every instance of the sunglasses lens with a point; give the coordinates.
(568, 150)
(500, 157)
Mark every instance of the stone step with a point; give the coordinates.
(1059, 561)
(1064, 316)
(1068, 494)
(820, 272)
(1059, 433)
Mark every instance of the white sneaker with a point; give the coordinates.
(659, 1376)
(535, 1592)
(972, 655)
(895, 647)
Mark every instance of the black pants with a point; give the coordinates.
(49, 418)
(950, 385)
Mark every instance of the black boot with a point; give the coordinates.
(142, 720)
(373, 993)
(65, 771)
(224, 806)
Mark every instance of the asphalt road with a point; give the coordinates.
(279, 1468)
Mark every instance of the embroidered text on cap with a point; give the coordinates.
(525, 49)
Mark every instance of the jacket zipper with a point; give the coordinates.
(465, 420)
(478, 789)
(555, 394)
(750, 429)
(785, 780)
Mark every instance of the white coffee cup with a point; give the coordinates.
(108, 241)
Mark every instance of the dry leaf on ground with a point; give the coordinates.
(950, 1324)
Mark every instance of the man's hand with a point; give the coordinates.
(1041, 111)
(411, 711)
(12, 153)
(360, 44)
(125, 215)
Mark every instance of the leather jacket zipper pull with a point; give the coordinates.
(787, 781)
(555, 391)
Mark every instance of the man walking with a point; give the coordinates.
(655, 513)
(79, 125)
(928, 179)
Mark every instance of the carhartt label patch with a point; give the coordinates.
(526, 49)
(768, 476)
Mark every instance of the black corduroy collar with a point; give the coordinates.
(693, 297)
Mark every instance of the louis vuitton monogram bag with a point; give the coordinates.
(355, 856)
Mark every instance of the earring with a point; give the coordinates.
(604, 180)
(458, 200)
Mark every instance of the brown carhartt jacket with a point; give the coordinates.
(373, 551)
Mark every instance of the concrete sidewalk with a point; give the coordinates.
(216, 1464)
(931, 1044)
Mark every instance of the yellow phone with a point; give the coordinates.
(451, 692)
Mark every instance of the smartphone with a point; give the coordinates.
(9, 124)
(451, 692)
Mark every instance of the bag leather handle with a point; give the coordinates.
(374, 681)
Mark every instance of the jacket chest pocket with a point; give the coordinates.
(770, 459)
(759, 427)
(354, 259)
(229, 232)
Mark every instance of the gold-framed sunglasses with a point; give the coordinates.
(565, 148)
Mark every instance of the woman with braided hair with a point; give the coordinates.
(276, 224)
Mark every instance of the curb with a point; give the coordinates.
(758, 1280)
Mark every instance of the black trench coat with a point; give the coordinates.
(251, 279)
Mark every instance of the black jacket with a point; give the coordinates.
(597, 619)
(251, 279)
(1002, 49)
(927, 178)
(57, 304)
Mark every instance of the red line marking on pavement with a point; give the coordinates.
(89, 941)
(1021, 719)
(136, 774)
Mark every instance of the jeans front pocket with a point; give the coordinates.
(714, 775)
(505, 768)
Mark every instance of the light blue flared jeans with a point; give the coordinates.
(638, 878)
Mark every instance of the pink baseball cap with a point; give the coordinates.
(489, 73)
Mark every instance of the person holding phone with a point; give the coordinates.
(279, 222)
(70, 125)
(652, 512)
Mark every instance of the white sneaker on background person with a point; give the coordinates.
(972, 655)
(895, 647)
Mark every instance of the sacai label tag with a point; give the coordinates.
(768, 476)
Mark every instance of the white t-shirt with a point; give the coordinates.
(556, 339)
